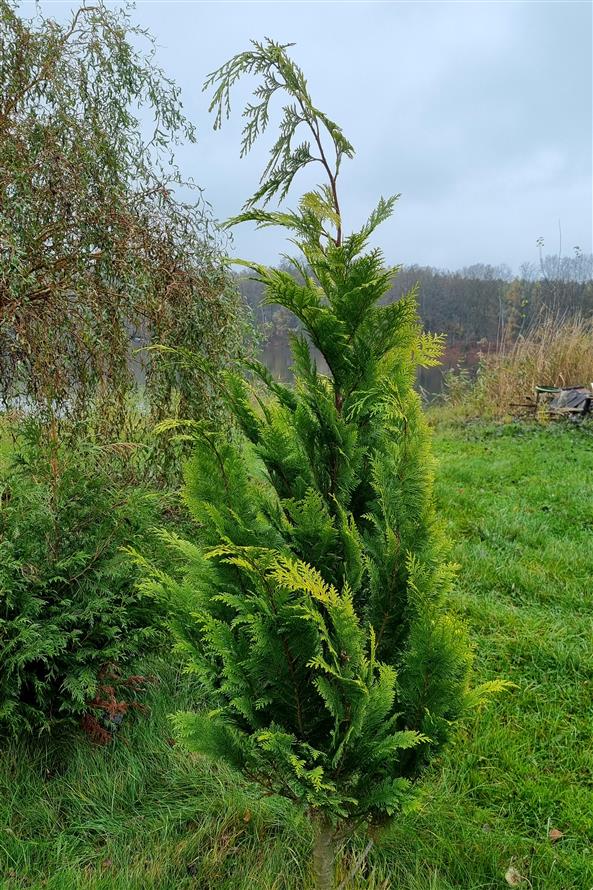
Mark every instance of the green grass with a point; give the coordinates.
(5, 443)
(142, 814)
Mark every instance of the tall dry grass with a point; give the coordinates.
(557, 350)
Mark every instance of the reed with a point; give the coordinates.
(557, 350)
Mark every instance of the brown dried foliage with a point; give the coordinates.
(112, 700)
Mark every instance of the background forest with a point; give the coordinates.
(478, 308)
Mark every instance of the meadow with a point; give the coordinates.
(141, 814)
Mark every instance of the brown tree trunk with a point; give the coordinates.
(323, 854)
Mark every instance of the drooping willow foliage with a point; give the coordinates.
(98, 255)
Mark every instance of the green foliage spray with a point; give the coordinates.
(311, 605)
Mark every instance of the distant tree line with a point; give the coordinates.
(476, 303)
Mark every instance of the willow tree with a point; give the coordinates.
(313, 604)
(98, 255)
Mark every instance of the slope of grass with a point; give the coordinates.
(519, 503)
(143, 814)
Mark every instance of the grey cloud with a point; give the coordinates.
(479, 113)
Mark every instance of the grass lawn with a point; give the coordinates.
(142, 814)
(5, 443)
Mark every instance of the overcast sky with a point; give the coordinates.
(479, 113)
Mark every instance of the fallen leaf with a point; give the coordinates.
(247, 816)
(513, 878)
(555, 834)
(107, 863)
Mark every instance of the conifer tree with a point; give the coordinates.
(312, 602)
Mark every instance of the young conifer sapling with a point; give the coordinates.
(312, 605)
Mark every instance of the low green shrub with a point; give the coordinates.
(71, 619)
